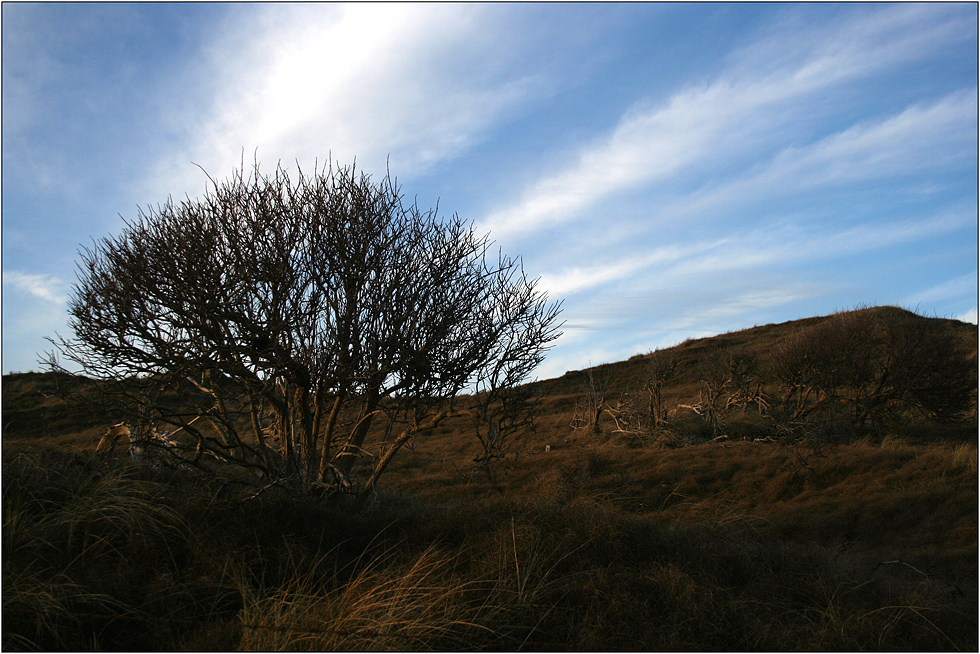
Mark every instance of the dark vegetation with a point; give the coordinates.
(724, 494)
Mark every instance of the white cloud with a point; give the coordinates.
(44, 287)
(28, 320)
(704, 124)
(920, 138)
(576, 279)
(696, 308)
(969, 316)
(420, 83)
(871, 38)
(761, 248)
(742, 303)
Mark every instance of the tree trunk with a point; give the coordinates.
(307, 437)
(267, 454)
(345, 462)
(327, 444)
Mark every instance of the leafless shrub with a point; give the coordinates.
(728, 383)
(309, 310)
(660, 370)
(590, 408)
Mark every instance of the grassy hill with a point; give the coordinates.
(758, 341)
(581, 540)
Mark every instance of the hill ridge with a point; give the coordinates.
(758, 339)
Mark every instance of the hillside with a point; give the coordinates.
(580, 539)
(759, 341)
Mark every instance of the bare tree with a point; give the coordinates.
(307, 311)
(641, 410)
(727, 382)
(591, 407)
(660, 370)
(793, 363)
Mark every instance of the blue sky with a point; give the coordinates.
(668, 170)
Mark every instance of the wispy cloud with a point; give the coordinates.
(759, 248)
(918, 139)
(701, 125)
(576, 279)
(964, 286)
(668, 170)
(872, 38)
(28, 319)
(708, 318)
(45, 287)
(699, 288)
(417, 82)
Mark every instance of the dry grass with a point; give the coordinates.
(79, 508)
(388, 605)
(963, 456)
(68, 525)
(608, 548)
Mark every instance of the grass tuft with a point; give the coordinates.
(390, 604)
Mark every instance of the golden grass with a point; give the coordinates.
(386, 606)
(964, 456)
